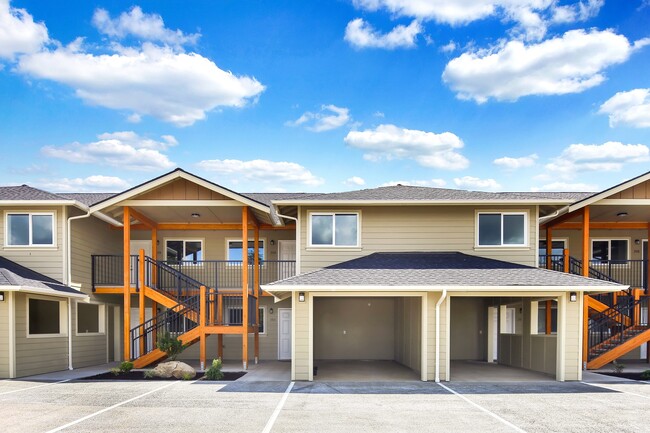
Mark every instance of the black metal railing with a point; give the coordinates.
(108, 270)
(171, 281)
(175, 321)
(633, 273)
(616, 325)
(554, 262)
(226, 309)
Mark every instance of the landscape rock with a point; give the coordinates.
(174, 369)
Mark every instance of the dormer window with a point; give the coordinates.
(30, 229)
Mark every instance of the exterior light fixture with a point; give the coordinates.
(272, 242)
(573, 297)
(271, 310)
(301, 297)
(196, 215)
(2, 296)
(637, 241)
(621, 214)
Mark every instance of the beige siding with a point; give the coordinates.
(417, 228)
(37, 355)
(301, 338)
(4, 338)
(181, 189)
(468, 329)
(641, 191)
(572, 338)
(431, 336)
(408, 332)
(574, 238)
(87, 349)
(46, 260)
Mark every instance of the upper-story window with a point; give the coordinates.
(235, 250)
(184, 250)
(609, 249)
(30, 229)
(502, 229)
(333, 229)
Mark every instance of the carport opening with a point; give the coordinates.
(503, 339)
(367, 338)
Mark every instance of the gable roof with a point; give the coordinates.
(16, 277)
(26, 193)
(88, 198)
(609, 191)
(428, 270)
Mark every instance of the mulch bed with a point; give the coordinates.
(632, 376)
(139, 375)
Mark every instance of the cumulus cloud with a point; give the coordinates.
(516, 163)
(449, 47)
(609, 156)
(470, 182)
(96, 183)
(434, 183)
(426, 148)
(330, 117)
(149, 27)
(270, 174)
(124, 149)
(355, 180)
(570, 63)
(564, 186)
(360, 34)
(19, 34)
(630, 108)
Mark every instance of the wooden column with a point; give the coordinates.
(127, 282)
(567, 258)
(585, 241)
(202, 305)
(549, 328)
(141, 295)
(154, 251)
(220, 322)
(256, 289)
(154, 313)
(549, 247)
(244, 276)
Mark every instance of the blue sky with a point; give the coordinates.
(325, 95)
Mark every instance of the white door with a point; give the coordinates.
(284, 333)
(135, 321)
(493, 334)
(286, 251)
(136, 246)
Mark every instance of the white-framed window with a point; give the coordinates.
(184, 250)
(610, 250)
(334, 229)
(234, 250)
(502, 229)
(90, 319)
(557, 248)
(508, 318)
(539, 317)
(30, 229)
(235, 317)
(46, 317)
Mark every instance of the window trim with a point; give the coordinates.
(227, 253)
(526, 243)
(102, 320)
(184, 240)
(333, 214)
(565, 240)
(264, 319)
(63, 317)
(534, 318)
(51, 213)
(609, 249)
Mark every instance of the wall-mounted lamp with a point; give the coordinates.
(2, 296)
(621, 214)
(301, 297)
(637, 241)
(272, 242)
(271, 310)
(196, 215)
(573, 296)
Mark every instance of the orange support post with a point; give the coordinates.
(565, 252)
(585, 241)
(154, 313)
(549, 247)
(211, 301)
(202, 309)
(141, 295)
(549, 328)
(154, 251)
(244, 239)
(127, 283)
(220, 322)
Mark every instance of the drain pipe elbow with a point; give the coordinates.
(440, 301)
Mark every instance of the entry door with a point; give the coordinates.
(136, 246)
(284, 333)
(286, 251)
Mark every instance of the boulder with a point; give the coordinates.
(174, 369)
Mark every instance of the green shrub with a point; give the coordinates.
(188, 376)
(126, 366)
(116, 371)
(645, 375)
(214, 372)
(618, 367)
(171, 345)
(149, 374)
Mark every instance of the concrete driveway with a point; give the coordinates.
(249, 406)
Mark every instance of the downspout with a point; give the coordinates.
(70, 334)
(440, 301)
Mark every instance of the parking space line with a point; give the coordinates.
(34, 387)
(492, 414)
(106, 409)
(276, 412)
(617, 390)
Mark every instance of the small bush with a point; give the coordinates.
(214, 372)
(116, 371)
(149, 374)
(645, 375)
(618, 367)
(187, 376)
(172, 346)
(126, 366)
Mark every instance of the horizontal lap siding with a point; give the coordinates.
(301, 343)
(573, 341)
(87, 349)
(46, 260)
(416, 228)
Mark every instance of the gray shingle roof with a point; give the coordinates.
(268, 197)
(13, 274)
(25, 192)
(88, 198)
(436, 269)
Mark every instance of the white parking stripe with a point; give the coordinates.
(492, 414)
(617, 390)
(34, 387)
(269, 424)
(99, 412)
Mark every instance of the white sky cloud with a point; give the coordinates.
(570, 63)
(426, 148)
(261, 172)
(630, 108)
(609, 156)
(449, 47)
(330, 117)
(19, 33)
(564, 186)
(471, 182)
(434, 183)
(151, 80)
(125, 150)
(355, 180)
(149, 27)
(361, 34)
(516, 163)
(96, 183)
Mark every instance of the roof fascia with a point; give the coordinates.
(317, 288)
(610, 191)
(418, 202)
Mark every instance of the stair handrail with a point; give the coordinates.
(179, 277)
